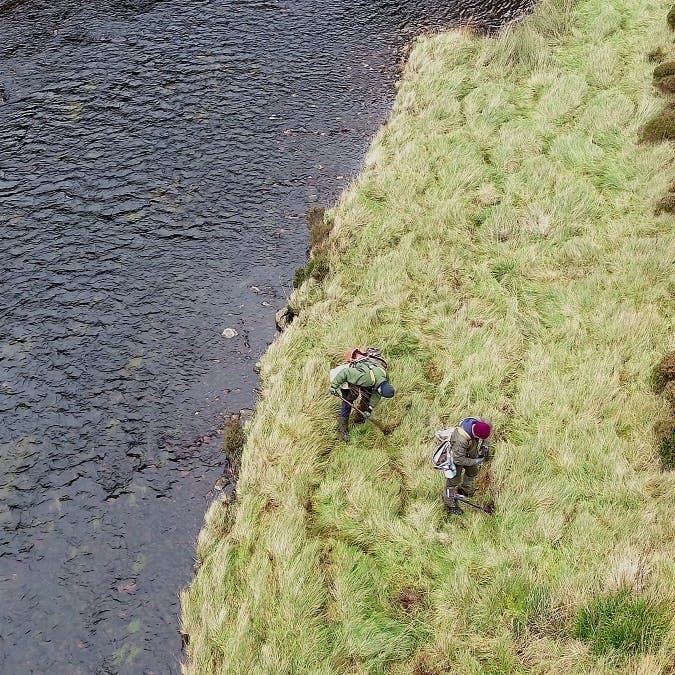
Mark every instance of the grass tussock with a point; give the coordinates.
(664, 70)
(664, 383)
(661, 127)
(671, 18)
(234, 440)
(620, 624)
(501, 247)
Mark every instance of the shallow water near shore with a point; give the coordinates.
(156, 163)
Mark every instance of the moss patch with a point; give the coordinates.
(317, 268)
(319, 226)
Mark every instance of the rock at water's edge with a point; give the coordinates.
(283, 319)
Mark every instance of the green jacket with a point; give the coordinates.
(365, 374)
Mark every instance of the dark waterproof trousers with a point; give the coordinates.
(351, 395)
(464, 477)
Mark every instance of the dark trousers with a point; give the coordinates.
(464, 477)
(351, 395)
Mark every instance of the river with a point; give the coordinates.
(157, 160)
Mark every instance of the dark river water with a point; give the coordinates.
(157, 160)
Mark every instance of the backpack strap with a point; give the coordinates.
(443, 460)
(371, 369)
(440, 456)
(467, 436)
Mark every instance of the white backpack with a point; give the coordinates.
(442, 458)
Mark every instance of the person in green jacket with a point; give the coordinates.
(366, 378)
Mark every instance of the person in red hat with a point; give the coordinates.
(463, 449)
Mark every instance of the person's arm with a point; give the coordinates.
(484, 450)
(343, 377)
(460, 447)
(484, 447)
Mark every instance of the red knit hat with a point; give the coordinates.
(481, 430)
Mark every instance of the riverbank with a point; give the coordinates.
(501, 247)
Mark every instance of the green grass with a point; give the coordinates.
(620, 623)
(501, 246)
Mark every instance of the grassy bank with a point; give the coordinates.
(501, 247)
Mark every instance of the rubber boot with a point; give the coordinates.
(451, 502)
(343, 428)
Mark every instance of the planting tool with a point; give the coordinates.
(381, 427)
(459, 498)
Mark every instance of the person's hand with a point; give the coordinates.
(334, 391)
(484, 452)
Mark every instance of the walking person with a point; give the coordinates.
(364, 377)
(461, 451)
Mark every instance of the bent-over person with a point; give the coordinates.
(363, 377)
(461, 451)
